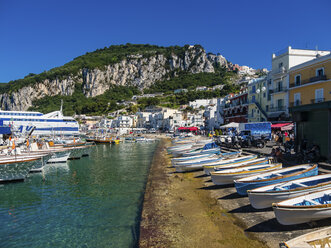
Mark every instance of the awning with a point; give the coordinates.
(283, 126)
(287, 128)
(191, 129)
(230, 125)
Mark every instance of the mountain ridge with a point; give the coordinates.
(139, 66)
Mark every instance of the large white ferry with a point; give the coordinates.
(53, 123)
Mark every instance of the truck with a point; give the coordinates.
(257, 130)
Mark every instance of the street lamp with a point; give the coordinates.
(259, 91)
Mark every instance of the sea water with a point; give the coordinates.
(92, 202)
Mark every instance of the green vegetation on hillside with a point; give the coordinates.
(190, 81)
(97, 59)
(80, 104)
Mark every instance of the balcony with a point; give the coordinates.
(277, 109)
(296, 103)
(317, 78)
(278, 90)
(310, 80)
(317, 100)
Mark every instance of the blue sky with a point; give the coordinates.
(37, 35)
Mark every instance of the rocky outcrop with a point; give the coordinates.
(135, 70)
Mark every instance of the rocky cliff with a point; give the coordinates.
(135, 70)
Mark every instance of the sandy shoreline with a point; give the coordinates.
(187, 210)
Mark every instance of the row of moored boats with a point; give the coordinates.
(18, 160)
(297, 194)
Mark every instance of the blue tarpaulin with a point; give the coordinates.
(209, 146)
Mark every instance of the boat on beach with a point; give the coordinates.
(202, 151)
(233, 160)
(316, 239)
(198, 165)
(302, 209)
(276, 176)
(263, 197)
(228, 176)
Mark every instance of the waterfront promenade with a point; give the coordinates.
(188, 210)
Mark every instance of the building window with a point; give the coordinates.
(252, 112)
(297, 99)
(253, 89)
(319, 72)
(280, 65)
(280, 86)
(264, 95)
(297, 80)
(267, 108)
(253, 99)
(319, 95)
(280, 104)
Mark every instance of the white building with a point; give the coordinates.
(219, 113)
(202, 102)
(143, 119)
(123, 121)
(180, 91)
(201, 88)
(195, 119)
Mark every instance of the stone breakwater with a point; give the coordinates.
(188, 210)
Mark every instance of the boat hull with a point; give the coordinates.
(224, 179)
(291, 216)
(242, 187)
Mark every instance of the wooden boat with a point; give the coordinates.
(243, 163)
(277, 176)
(310, 207)
(208, 168)
(201, 151)
(317, 239)
(192, 158)
(228, 176)
(263, 197)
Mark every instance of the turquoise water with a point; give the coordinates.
(91, 202)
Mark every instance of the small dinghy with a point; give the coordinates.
(317, 239)
(228, 176)
(198, 165)
(208, 168)
(258, 161)
(200, 151)
(302, 209)
(263, 197)
(277, 176)
(193, 158)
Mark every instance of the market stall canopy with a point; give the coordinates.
(230, 125)
(283, 126)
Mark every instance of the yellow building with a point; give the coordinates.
(310, 102)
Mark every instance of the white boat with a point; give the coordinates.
(263, 197)
(59, 158)
(17, 169)
(201, 151)
(282, 175)
(310, 207)
(317, 239)
(54, 123)
(210, 167)
(228, 176)
(192, 158)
